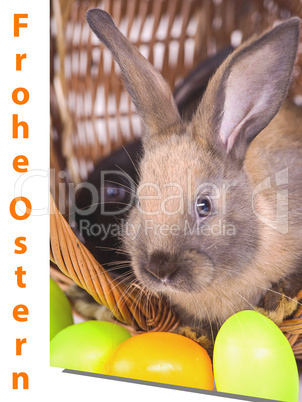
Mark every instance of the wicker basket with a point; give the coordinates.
(89, 120)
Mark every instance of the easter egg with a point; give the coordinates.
(163, 357)
(86, 346)
(60, 310)
(252, 357)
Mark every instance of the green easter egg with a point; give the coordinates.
(60, 309)
(86, 346)
(252, 357)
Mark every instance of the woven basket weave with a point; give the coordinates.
(92, 115)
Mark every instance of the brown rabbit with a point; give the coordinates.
(218, 222)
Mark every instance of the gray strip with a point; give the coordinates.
(176, 387)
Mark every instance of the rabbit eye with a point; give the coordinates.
(114, 193)
(203, 207)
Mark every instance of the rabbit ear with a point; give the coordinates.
(149, 92)
(248, 89)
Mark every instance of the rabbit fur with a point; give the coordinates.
(218, 219)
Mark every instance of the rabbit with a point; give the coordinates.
(217, 225)
(117, 175)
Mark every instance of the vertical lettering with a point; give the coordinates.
(22, 247)
(19, 58)
(15, 94)
(13, 212)
(19, 343)
(18, 24)
(19, 272)
(19, 310)
(16, 377)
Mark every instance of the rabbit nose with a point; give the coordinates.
(162, 265)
